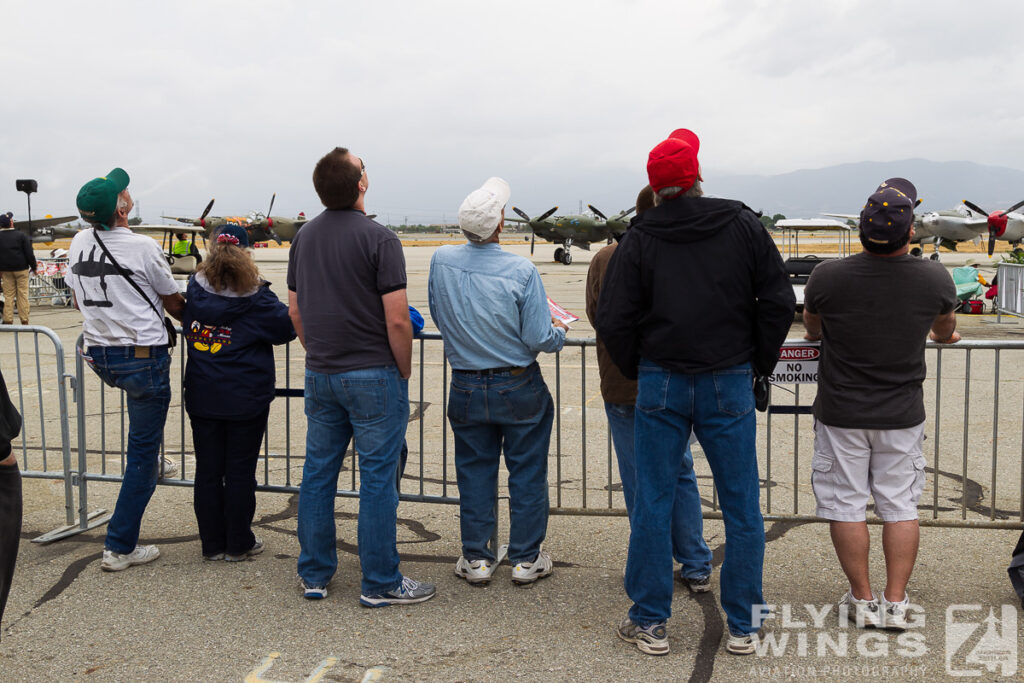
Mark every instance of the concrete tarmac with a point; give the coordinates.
(181, 618)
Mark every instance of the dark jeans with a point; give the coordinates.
(10, 526)
(225, 489)
(490, 415)
(147, 387)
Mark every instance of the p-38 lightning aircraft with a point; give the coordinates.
(261, 227)
(575, 230)
(46, 229)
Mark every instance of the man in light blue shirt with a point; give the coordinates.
(492, 311)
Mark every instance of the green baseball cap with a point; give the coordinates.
(97, 200)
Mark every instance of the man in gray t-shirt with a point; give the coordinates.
(873, 312)
(346, 298)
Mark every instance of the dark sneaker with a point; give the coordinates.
(256, 549)
(408, 592)
(698, 584)
(651, 640)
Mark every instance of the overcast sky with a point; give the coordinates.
(238, 99)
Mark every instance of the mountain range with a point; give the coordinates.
(842, 189)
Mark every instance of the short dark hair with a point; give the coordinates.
(886, 248)
(644, 200)
(336, 180)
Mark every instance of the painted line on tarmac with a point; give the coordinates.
(256, 675)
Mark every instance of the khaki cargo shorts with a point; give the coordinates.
(850, 464)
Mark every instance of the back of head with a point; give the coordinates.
(97, 200)
(482, 211)
(672, 166)
(229, 265)
(644, 200)
(336, 179)
(887, 216)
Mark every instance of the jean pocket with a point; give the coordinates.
(458, 405)
(735, 391)
(652, 389)
(136, 378)
(525, 401)
(366, 399)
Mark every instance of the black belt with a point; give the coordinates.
(490, 372)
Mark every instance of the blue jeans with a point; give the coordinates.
(147, 387)
(688, 546)
(719, 406)
(370, 405)
(488, 414)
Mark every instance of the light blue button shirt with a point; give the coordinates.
(490, 307)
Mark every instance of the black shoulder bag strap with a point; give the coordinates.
(172, 334)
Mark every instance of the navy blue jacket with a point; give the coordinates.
(230, 370)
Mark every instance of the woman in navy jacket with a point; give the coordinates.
(231, 322)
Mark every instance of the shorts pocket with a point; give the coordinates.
(823, 480)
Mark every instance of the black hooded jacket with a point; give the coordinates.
(696, 285)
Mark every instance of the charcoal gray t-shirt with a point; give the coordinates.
(876, 313)
(339, 266)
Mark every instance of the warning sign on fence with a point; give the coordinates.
(797, 364)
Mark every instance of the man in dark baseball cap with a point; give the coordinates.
(874, 312)
(887, 218)
(97, 200)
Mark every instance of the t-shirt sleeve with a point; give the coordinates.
(290, 278)
(158, 272)
(811, 291)
(390, 266)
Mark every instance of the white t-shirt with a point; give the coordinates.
(114, 313)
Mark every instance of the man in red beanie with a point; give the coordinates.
(695, 358)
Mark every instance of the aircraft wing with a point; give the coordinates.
(180, 219)
(164, 229)
(845, 216)
(45, 222)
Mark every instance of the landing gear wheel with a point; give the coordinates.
(559, 252)
(934, 257)
(567, 258)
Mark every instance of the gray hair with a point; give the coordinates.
(664, 193)
(122, 201)
(477, 238)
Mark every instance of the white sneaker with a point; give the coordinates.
(863, 613)
(168, 468)
(115, 562)
(528, 572)
(740, 645)
(894, 614)
(477, 572)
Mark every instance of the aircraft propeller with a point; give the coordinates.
(533, 234)
(596, 212)
(996, 221)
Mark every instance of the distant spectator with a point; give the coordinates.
(16, 260)
(869, 409)
(231, 322)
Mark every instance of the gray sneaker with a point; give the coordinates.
(651, 640)
(256, 549)
(698, 584)
(408, 592)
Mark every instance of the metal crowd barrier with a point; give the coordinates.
(974, 430)
(1010, 300)
(47, 285)
(33, 368)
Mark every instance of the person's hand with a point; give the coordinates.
(555, 322)
(812, 337)
(953, 338)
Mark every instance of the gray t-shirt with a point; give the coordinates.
(339, 266)
(875, 314)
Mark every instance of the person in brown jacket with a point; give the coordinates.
(688, 546)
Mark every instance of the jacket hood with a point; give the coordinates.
(206, 305)
(688, 219)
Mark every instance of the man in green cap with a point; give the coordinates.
(122, 284)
